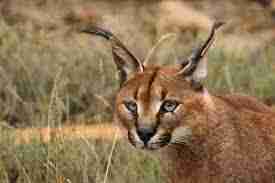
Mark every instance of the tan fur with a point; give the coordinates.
(231, 138)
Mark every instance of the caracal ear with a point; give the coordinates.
(201, 71)
(127, 64)
(194, 68)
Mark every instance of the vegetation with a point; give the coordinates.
(79, 160)
(51, 75)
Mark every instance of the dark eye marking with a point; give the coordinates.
(131, 106)
(169, 106)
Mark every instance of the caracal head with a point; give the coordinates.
(153, 102)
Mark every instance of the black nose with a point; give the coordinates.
(145, 134)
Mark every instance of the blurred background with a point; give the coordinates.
(53, 76)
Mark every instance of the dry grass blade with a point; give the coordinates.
(25, 173)
(104, 101)
(111, 155)
(55, 111)
(157, 45)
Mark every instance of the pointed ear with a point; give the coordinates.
(127, 64)
(201, 71)
(195, 67)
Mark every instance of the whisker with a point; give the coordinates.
(178, 142)
(164, 137)
(180, 138)
(161, 141)
(156, 143)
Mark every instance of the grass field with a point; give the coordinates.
(78, 159)
(53, 76)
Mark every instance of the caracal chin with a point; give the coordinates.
(202, 137)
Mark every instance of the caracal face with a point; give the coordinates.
(151, 106)
(153, 101)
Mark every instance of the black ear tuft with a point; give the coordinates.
(195, 66)
(126, 62)
(97, 31)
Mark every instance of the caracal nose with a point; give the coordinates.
(145, 134)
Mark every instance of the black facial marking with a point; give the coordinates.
(163, 94)
(152, 79)
(136, 93)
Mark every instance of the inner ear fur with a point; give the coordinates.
(194, 68)
(127, 63)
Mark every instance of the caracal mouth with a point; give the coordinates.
(152, 147)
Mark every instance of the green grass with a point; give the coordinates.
(78, 160)
(235, 74)
(29, 63)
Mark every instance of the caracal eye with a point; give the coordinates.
(169, 106)
(131, 106)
